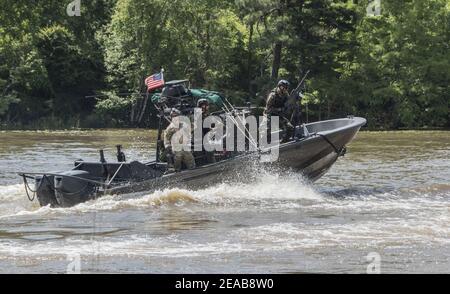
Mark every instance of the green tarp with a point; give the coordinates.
(155, 97)
(211, 96)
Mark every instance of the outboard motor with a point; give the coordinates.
(69, 190)
(45, 191)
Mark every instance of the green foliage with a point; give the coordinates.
(393, 69)
(115, 107)
(404, 61)
(49, 61)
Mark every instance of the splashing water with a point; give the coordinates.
(386, 196)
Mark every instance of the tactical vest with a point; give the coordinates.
(278, 102)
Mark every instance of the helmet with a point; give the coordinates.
(202, 101)
(283, 83)
(175, 112)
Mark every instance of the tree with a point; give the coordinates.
(393, 68)
(44, 51)
(403, 61)
(180, 36)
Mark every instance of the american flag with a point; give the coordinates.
(154, 81)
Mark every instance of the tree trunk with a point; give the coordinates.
(328, 109)
(307, 118)
(249, 59)
(320, 111)
(208, 40)
(276, 59)
(133, 110)
(144, 106)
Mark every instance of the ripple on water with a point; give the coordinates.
(388, 194)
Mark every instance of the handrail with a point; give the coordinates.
(115, 174)
(60, 175)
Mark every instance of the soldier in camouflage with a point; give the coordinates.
(275, 106)
(179, 157)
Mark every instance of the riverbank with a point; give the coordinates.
(58, 129)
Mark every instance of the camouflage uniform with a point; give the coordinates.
(182, 156)
(209, 156)
(275, 107)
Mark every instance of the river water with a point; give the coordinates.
(384, 206)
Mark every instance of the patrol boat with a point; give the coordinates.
(313, 150)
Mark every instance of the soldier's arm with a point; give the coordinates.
(269, 103)
(168, 133)
(166, 140)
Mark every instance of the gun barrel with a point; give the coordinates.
(300, 84)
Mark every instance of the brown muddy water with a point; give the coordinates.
(389, 197)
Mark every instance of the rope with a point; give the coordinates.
(52, 187)
(28, 189)
(73, 177)
(338, 151)
(249, 138)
